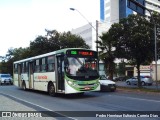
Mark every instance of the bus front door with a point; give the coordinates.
(60, 72)
(19, 75)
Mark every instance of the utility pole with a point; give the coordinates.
(97, 44)
(155, 37)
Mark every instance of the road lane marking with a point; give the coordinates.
(36, 105)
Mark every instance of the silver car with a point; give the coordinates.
(145, 80)
(5, 79)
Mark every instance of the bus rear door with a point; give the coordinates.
(19, 75)
(30, 75)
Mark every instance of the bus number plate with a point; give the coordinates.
(87, 88)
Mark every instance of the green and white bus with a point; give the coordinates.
(66, 71)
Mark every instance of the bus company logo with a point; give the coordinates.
(41, 77)
(6, 114)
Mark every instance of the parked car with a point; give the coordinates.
(5, 79)
(106, 84)
(145, 80)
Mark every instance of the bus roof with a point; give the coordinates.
(48, 54)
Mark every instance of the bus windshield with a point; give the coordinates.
(81, 67)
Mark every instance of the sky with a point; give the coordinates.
(21, 21)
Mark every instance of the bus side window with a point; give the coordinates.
(26, 67)
(15, 68)
(51, 67)
(37, 66)
(51, 63)
(43, 66)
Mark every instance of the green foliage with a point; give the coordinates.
(133, 40)
(107, 54)
(121, 68)
(156, 17)
(55, 41)
(69, 40)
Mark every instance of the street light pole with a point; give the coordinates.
(97, 43)
(155, 37)
(73, 9)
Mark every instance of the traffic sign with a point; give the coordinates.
(137, 6)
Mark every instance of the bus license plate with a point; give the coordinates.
(87, 88)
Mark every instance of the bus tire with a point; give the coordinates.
(51, 90)
(23, 85)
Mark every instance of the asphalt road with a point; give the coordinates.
(99, 103)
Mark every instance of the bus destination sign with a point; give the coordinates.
(82, 53)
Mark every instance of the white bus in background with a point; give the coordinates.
(51, 72)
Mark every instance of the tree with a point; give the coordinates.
(107, 53)
(40, 46)
(121, 68)
(12, 55)
(69, 40)
(55, 41)
(133, 40)
(156, 21)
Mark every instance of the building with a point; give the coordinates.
(88, 33)
(113, 10)
(147, 70)
(153, 5)
(153, 70)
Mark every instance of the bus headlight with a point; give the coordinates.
(70, 83)
(74, 84)
(96, 84)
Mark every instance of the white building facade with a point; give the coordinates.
(88, 33)
(153, 5)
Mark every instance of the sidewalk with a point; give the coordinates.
(9, 106)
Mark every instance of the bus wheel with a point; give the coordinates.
(51, 90)
(24, 86)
